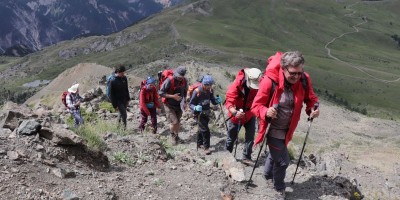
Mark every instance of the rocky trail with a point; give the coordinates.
(348, 156)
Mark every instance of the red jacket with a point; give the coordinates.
(148, 96)
(235, 97)
(259, 107)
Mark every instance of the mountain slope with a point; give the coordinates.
(37, 24)
(358, 70)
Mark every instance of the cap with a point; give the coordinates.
(150, 80)
(252, 76)
(207, 80)
(180, 71)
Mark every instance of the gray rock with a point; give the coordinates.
(63, 173)
(29, 127)
(10, 119)
(232, 168)
(13, 155)
(69, 195)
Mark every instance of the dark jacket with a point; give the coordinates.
(203, 98)
(119, 91)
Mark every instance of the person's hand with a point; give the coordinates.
(240, 114)
(158, 110)
(218, 100)
(198, 108)
(176, 97)
(314, 113)
(271, 113)
(78, 103)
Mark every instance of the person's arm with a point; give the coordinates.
(259, 107)
(142, 103)
(69, 102)
(155, 98)
(193, 100)
(112, 93)
(311, 99)
(127, 98)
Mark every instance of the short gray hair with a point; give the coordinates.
(292, 58)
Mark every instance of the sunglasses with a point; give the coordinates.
(294, 73)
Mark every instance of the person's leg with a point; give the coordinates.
(173, 127)
(78, 120)
(268, 167)
(250, 127)
(232, 135)
(205, 130)
(153, 113)
(143, 120)
(122, 114)
(281, 159)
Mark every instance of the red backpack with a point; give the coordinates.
(64, 98)
(162, 76)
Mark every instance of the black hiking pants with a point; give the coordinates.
(203, 134)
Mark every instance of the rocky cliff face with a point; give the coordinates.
(36, 24)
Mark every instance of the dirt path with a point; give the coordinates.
(356, 30)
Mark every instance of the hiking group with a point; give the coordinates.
(274, 97)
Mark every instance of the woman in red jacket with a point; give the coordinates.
(292, 86)
(149, 103)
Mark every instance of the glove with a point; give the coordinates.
(218, 100)
(198, 108)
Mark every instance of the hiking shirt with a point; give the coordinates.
(71, 100)
(235, 96)
(119, 91)
(179, 87)
(279, 127)
(148, 96)
(203, 98)
(260, 105)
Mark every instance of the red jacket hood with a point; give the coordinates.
(274, 66)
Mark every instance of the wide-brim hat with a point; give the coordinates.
(252, 76)
(74, 88)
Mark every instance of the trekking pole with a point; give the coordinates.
(198, 130)
(259, 152)
(305, 141)
(223, 115)
(237, 138)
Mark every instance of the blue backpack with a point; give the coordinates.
(109, 79)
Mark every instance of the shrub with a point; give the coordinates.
(123, 158)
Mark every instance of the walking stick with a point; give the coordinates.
(223, 115)
(198, 130)
(262, 144)
(237, 138)
(305, 141)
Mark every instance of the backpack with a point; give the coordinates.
(64, 98)
(142, 84)
(192, 88)
(162, 76)
(109, 79)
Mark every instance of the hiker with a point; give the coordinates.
(73, 101)
(173, 91)
(239, 98)
(287, 71)
(119, 93)
(149, 103)
(200, 105)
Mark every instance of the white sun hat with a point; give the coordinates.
(252, 76)
(73, 88)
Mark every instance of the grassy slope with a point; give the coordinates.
(259, 28)
(247, 32)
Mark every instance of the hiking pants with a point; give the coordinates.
(78, 120)
(233, 132)
(122, 113)
(153, 114)
(276, 162)
(203, 132)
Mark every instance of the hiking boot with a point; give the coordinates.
(280, 194)
(268, 180)
(176, 139)
(248, 162)
(207, 151)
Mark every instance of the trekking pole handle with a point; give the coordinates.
(316, 105)
(275, 106)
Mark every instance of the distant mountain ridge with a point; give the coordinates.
(37, 24)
